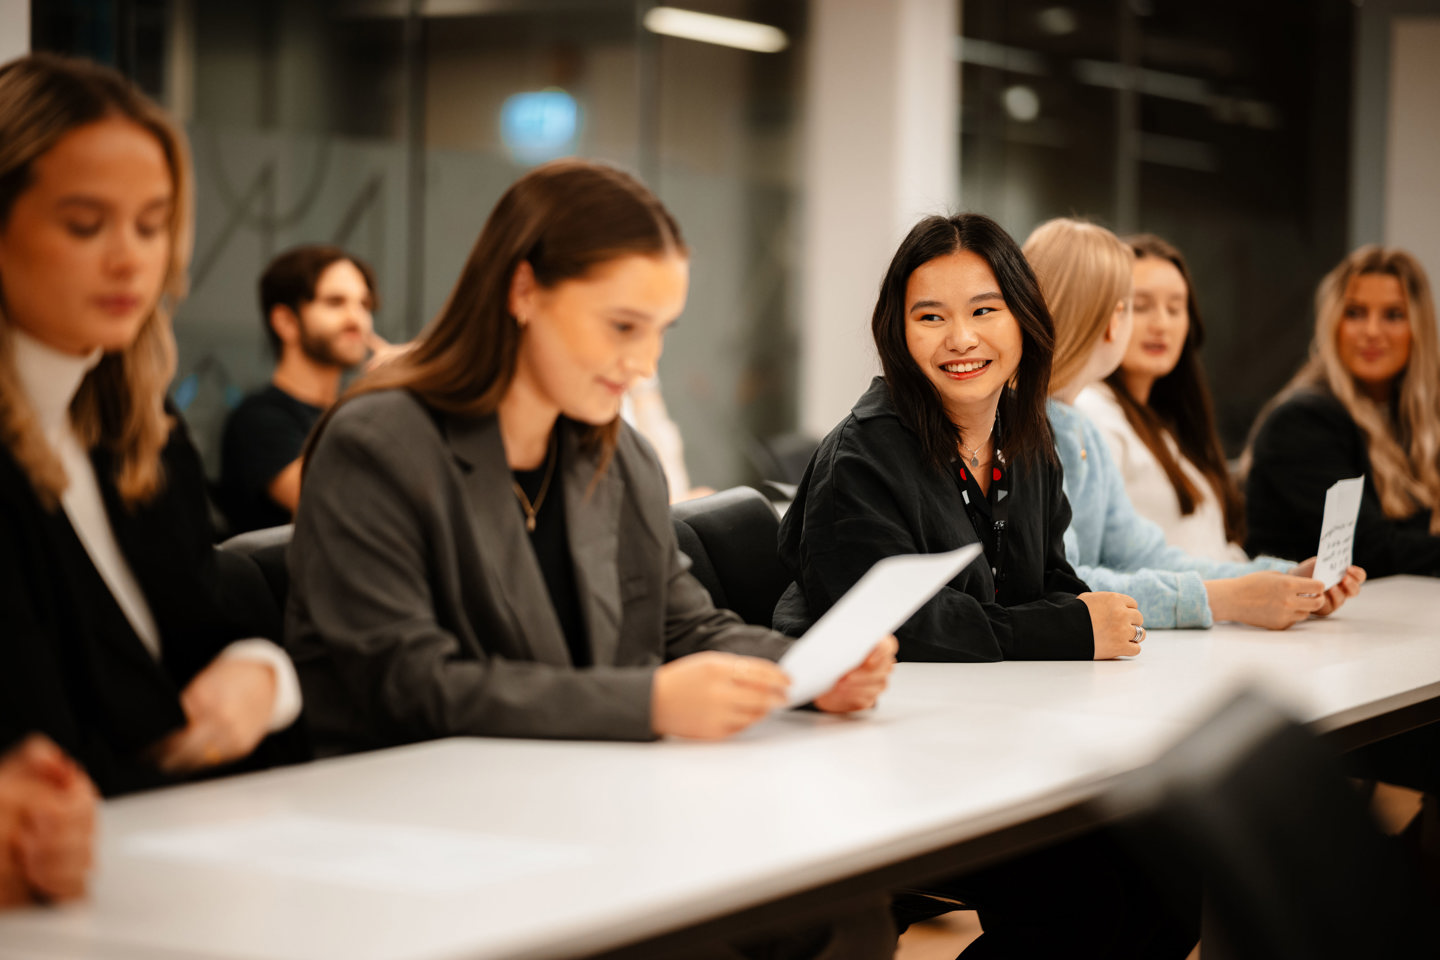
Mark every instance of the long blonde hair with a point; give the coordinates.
(1084, 271)
(1405, 463)
(120, 403)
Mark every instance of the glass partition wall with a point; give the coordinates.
(1222, 126)
(390, 127)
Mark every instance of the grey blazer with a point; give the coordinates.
(417, 607)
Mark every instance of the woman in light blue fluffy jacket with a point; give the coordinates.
(1085, 273)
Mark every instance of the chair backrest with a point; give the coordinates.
(1294, 868)
(267, 548)
(730, 538)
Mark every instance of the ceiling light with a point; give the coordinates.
(708, 28)
(1022, 103)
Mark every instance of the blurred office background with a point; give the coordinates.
(1265, 139)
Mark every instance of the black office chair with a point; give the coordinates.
(1293, 866)
(266, 549)
(782, 457)
(730, 539)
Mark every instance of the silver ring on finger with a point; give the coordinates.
(1139, 634)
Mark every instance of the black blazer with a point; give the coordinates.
(71, 666)
(418, 608)
(869, 493)
(1305, 444)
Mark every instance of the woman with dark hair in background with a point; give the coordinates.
(124, 640)
(1366, 404)
(1156, 413)
(951, 447)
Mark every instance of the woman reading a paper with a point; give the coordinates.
(1366, 404)
(484, 548)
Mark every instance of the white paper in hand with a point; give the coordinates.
(880, 603)
(1337, 530)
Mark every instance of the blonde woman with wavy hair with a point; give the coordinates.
(124, 642)
(1366, 403)
(1085, 275)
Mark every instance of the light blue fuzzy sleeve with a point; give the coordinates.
(1113, 548)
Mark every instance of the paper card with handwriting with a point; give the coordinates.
(1337, 530)
(880, 603)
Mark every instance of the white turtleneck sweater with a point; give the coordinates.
(50, 380)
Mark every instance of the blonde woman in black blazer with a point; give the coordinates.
(123, 640)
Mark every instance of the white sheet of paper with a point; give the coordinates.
(880, 603)
(1337, 530)
(379, 856)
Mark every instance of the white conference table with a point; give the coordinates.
(472, 848)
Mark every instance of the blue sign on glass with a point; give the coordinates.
(539, 126)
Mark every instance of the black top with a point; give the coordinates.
(552, 550)
(263, 435)
(869, 493)
(989, 513)
(1305, 444)
(71, 666)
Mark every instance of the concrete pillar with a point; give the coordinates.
(881, 150)
(14, 29)
(1412, 154)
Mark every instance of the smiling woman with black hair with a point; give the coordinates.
(952, 447)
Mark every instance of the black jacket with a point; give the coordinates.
(1305, 444)
(869, 493)
(71, 666)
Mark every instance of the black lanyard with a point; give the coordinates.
(989, 512)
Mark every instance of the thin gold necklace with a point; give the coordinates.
(532, 509)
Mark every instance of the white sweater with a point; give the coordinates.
(50, 380)
(1202, 533)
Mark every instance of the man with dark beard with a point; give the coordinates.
(316, 304)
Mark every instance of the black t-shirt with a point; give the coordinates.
(552, 549)
(264, 435)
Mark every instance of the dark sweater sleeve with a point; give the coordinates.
(853, 516)
(1305, 446)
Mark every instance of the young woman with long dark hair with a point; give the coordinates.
(1156, 413)
(483, 547)
(952, 447)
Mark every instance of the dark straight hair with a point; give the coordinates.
(1027, 438)
(564, 218)
(1180, 406)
